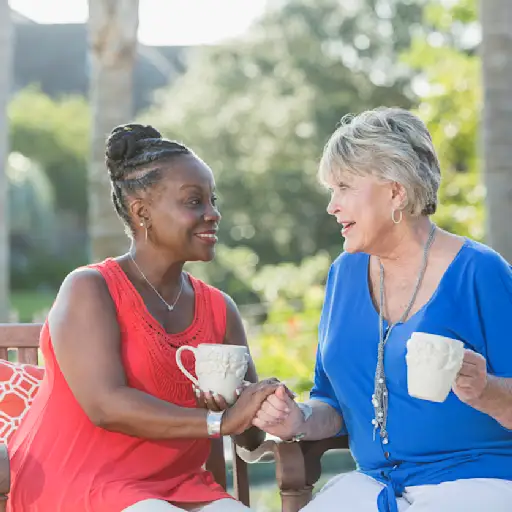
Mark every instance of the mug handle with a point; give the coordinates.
(180, 364)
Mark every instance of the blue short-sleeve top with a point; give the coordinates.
(428, 442)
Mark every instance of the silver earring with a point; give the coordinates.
(399, 216)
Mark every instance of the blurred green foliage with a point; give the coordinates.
(286, 343)
(30, 305)
(47, 172)
(55, 134)
(31, 196)
(450, 99)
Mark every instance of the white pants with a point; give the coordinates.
(356, 492)
(226, 505)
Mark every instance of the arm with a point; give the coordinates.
(86, 340)
(325, 421)
(485, 379)
(487, 393)
(496, 400)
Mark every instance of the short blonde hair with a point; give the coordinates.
(391, 144)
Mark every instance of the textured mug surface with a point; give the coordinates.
(433, 362)
(219, 368)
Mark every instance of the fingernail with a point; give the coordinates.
(215, 394)
(197, 391)
(238, 392)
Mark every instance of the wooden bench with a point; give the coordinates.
(298, 465)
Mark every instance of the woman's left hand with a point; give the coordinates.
(209, 400)
(214, 401)
(471, 380)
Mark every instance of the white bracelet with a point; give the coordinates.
(213, 423)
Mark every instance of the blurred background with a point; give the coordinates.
(255, 88)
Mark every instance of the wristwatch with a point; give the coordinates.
(213, 423)
(307, 411)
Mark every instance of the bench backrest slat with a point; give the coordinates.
(28, 355)
(19, 335)
(20, 338)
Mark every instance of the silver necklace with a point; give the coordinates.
(380, 394)
(170, 307)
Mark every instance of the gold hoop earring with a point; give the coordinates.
(399, 217)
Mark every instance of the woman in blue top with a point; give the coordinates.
(412, 454)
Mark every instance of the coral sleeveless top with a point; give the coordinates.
(62, 462)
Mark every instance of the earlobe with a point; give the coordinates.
(147, 222)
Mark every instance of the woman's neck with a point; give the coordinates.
(406, 245)
(158, 268)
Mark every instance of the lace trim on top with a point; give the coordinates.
(160, 344)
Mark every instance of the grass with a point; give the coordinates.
(31, 305)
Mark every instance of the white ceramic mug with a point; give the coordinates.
(219, 368)
(433, 363)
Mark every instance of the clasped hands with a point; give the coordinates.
(268, 405)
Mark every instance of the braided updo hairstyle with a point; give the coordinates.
(131, 149)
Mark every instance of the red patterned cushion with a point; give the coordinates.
(19, 384)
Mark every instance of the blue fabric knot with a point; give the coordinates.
(386, 502)
(393, 489)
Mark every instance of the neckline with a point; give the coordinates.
(151, 319)
(429, 301)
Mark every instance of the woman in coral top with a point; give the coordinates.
(115, 426)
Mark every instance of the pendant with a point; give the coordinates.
(170, 308)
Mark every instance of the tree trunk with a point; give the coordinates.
(5, 91)
(113, 28)
(496, 19)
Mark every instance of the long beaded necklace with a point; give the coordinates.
(380, 394)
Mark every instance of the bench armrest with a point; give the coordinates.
(298, 466)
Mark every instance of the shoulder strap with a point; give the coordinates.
(219, 312)
(110, 273)
(215, 305)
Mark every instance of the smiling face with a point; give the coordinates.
(362, 205)
(180, 210)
